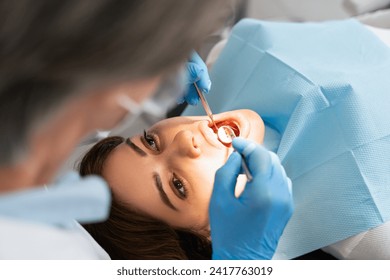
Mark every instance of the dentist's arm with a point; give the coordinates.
(249, 227)
(196, 73)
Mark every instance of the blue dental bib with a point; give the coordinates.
(323, 92)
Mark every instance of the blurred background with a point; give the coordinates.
(372, 12)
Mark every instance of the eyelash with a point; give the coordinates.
(178, 183)
(149, 137)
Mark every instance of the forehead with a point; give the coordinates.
(131, 180)
(120, 169)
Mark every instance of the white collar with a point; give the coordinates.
(71, 198)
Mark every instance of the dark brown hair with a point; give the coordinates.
(129, 234)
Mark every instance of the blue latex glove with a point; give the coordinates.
(197, 73)
(249, 227)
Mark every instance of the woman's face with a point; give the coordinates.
(168, 172)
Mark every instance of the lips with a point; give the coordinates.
(209, 135)
(238, 122)
(233, 125)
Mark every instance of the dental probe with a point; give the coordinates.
(206, 106)
(226, 135)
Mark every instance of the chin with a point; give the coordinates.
(245, 123)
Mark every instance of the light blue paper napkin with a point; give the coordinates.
(323, 91)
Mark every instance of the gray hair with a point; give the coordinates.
(50, 49)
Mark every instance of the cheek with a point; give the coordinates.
(257, 128)
(211, 161)
(204, 182)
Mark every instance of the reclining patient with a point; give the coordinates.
(322, 92)
(162, 183)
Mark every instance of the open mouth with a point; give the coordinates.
(234, 126)
(226, 140)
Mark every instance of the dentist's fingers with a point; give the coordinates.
(194, 72)
(270, 184)
(204, 82)
(257, 157)
(226, 179)
(203, 79)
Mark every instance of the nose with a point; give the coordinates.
(185, 144)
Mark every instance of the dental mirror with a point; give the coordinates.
(226, 134)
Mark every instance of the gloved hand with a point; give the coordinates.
(249, 227)
(197, 73)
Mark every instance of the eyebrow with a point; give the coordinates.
(163, 195)
(156, 176)
(137, 149)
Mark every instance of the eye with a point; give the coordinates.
(179, 186)
(151, 141)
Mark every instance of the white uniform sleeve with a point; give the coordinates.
(21, 240)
